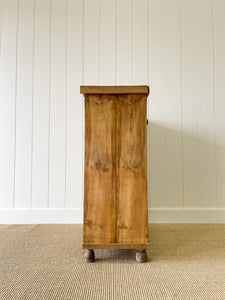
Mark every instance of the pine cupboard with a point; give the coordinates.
(115, 171)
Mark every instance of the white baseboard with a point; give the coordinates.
(186, 216)
(56, 216)
(75, 216)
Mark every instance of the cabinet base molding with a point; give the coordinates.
(91, 246)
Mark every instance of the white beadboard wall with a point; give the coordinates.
(48, 48)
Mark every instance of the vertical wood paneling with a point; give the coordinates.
(174, 174)
(206, 104)
(24, 105)
(7, 101)
(107, 42)
(190, 105)
(177, 47)
(140, 42)
(74, 104)
(124, 73)
(91, 42)
(157, 104)
(1, 9)
(41, 104)
(58, 100)
(91, 49)
(140, 59)
(219, 17)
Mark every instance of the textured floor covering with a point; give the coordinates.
(47, 262)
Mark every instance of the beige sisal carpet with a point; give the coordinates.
(47, 262)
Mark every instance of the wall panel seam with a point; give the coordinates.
(1, 16)
(181, 101)
(32, 111)
(198, 100)
(148, 109)
(132, 43)
(99, 41)
(49, 107)
(66, 106)
(17, 33)
(164, 100)
(115, 42)
(83, 103)
(214, 97)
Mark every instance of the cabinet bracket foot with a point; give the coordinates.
(89, 256)
(141, 256)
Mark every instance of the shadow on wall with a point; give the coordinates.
(184, 170)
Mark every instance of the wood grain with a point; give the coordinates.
(141, 89)
(115, 246)
(131, 169)
(99, 185)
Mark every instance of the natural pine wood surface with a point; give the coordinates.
(115, 246)
(131, 170)
(115, 189)
(99, 176)
(139, 89)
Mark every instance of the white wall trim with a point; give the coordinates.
(186, 216)
(56, 216)
(75, 216)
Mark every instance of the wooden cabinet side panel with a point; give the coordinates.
(131, 161)
(99, 173)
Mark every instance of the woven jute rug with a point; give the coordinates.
(47, 262)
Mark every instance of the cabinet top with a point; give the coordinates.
(126, 89)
